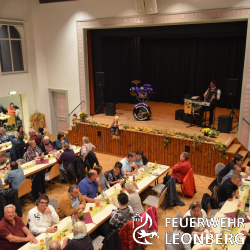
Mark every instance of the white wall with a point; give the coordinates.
(51, 41)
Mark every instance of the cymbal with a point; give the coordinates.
(136, 81)
(147, 85)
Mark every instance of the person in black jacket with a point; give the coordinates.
(47, 146)
(238, 160)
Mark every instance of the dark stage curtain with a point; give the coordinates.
(176, 60)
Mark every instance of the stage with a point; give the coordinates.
(163, 116)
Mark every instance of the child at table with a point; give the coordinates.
(104, 183)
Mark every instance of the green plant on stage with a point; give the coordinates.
(213, 133)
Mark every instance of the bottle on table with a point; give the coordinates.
(146, 168)
(124, 182)
(155, 166)
(47, 241)
(73, 219)
(76, 144)
(247, 206)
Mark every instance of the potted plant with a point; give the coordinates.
(83, 116)
(206, 131)
(213, 133)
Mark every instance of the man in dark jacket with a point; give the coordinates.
(17, 146)
(238, 160)
(47, 146)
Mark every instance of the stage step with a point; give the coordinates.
(244, 153)
(234, 149)
(244, 165)
(229, 142)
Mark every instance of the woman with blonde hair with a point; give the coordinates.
(134, 199)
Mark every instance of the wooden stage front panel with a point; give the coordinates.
(152, 146)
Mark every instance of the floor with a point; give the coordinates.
(108, 162)
(163, 116)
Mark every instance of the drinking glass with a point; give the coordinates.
(97, 204)
(59, 238)
(41, 242)
(69, 225)
(101, 204)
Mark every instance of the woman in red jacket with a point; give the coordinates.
(180, 169)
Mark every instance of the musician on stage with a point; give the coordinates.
(211, 95)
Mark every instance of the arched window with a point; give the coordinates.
(11, 55)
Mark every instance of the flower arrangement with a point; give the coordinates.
(83, 116)
(213, 133)
(37, 120)
(206, 131)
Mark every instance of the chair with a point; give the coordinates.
(21, 161)
(158, 188)
(54, 172)
(11, 121)
(25, 188)
(180, 185)
(218, 168)
(53, 202)
(169, 234)
(155, 201)
(97, 242)
(179, 217)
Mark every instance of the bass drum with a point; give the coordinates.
(142, 112)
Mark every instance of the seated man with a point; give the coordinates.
(4, 136)
(90, 185)
(55, 245)
(238, 160)
(65, 158)
(17, 144)
(34, 136)
(228, 190)
(81, 238)
(235, 170)
(119, 218)
(34, 152)
(14, 234)
(4, 162)
(180, 169)
(42, 217)
(15, 176)
(70, 202)
(128, 164)
(47, 146)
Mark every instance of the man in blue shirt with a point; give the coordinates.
(90, 185)
(128, 164)
(15, 176)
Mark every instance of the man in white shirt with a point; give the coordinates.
(211, 95)
(128, 164)
(42, 217)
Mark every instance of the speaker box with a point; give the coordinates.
(188, 118)
(224, 123)
(179, 114)
(140, 7)
(151, 6)
(110, 108)
(99, 79)
(231, 87)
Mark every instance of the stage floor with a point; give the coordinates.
(163, 116)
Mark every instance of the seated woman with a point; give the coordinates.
(41, 132)
(20, 131)
(115, 175)
(34, 152)
(4, 136)
(134, 199)
(61, 139)
(86, 147)
(140, 160)
(104, 183)
(4, 161)
(195, 211)
(185, 228)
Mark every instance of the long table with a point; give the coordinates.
(7, 146)
(39, 167)
(105, 213)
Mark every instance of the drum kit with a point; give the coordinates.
(141, 111)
